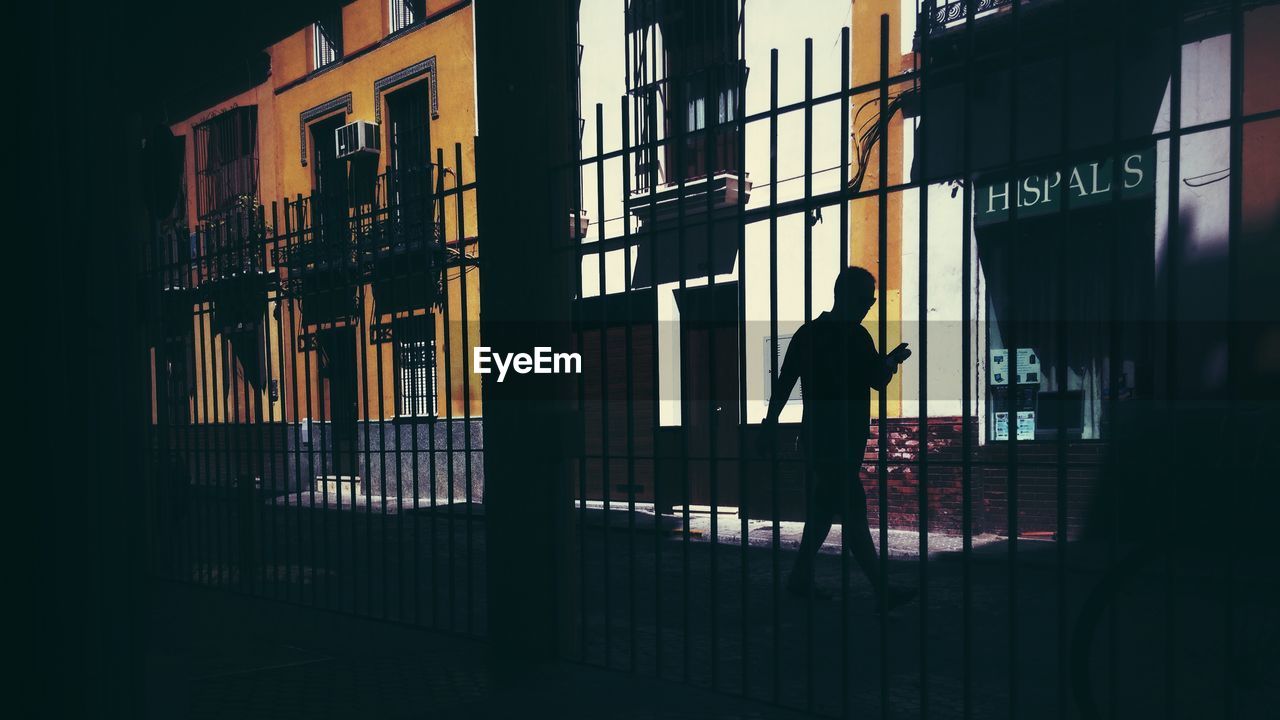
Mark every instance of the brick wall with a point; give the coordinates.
(1037, 479)
(944, 474)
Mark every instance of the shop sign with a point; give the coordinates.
(1028, 367)
(1026, 425)
(1085, 184)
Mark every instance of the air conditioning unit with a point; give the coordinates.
(358, 138)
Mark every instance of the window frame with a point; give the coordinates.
(405, 14)
(226, 159)
(410, 406)
(326, 41)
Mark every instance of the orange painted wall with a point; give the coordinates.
(864, 225)
(294, 87)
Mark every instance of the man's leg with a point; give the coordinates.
(817, 524)
(856, 535)
(856, 529)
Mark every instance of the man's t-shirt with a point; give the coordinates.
(837, 364)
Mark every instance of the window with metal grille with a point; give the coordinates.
(226, 161)
(326, 34)
(406, 12)
(415, 356)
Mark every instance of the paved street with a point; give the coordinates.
(677, 607)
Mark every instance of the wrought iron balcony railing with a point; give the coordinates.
(938, 16)
(231, 245)
(941, 15)
(392, 224)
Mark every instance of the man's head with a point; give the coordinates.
(855, 293)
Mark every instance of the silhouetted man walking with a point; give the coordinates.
(837, 362)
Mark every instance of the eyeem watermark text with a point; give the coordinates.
(542, 362)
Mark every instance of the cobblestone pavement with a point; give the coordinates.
(671, 607)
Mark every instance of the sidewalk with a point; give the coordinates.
(903, 544)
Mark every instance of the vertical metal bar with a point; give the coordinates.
(1235, 369)
(651, 121)
(433, 541)
(846, 61)
(213, 457)
(381, 217)
(191, 436)
(309, 217)
(681, 139)
(708, 133)
(280, 549)
(211, 469)
(579, 321)
(235, 384)
(308, 510)
(271, 454)
(372, 418)
(404, 401)
(265, 450)
(1171, 353)
(369, 358)
(292, 511)
(372, 222)
(1011, 344)
(651, 150)
(966, 377)
(605, 456)
(631, 432)
(740, 148)
(201, 491)
(882, 460)
(458, 180)
(315, 410)
(776, 540)
(227, 479)
(449, 447)
(1118, 40)
(217, 441)
(1060, 371)
(921, 154)
(364, 407)
(811, 480)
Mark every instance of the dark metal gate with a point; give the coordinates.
(308, 441)
(1039, 473)
(1069, 212)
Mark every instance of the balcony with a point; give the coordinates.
(387, 233)
(230, 265)
(949, 17)
(670, 202)
(943, 15)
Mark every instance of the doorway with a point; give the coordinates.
(337, 361)
(709, 391)
(329, 196)
(409, 155)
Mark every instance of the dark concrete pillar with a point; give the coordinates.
(528, 133)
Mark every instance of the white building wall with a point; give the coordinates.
(944, 299)
(769, 24)
(1203, 205)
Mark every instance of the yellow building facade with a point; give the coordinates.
(377, 55)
